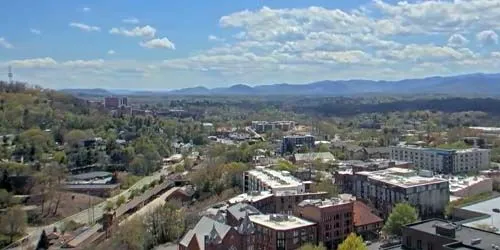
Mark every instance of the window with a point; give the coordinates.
(280, 242)
(419, 244)
(408, 241)
(429, 246)
(295, 237)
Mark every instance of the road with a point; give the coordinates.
(82, 217)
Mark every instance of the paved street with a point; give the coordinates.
(82, 217)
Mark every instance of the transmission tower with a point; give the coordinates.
(10, 75)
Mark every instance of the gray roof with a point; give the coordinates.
(202, 228)
(381, 150)
(91, 175)
(463, 234)
(486, 208)
(239, 210)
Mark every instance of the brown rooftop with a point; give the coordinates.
(363, 215)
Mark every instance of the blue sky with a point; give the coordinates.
(174, 44)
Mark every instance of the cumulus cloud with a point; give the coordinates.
(457, 40)
(111, 52)
(158, 43)
(84, 27)
(131, 20)
(86, 9)
(145, 31)
(5, 44)
(487, 37)
(34, 63)
(35, 31)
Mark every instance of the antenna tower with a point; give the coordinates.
(10, 75)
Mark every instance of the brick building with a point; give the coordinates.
(334, 218)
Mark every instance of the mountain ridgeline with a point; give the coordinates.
(461, 85)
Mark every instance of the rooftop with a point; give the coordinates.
(275, 179)
(253, 196)
(280, 222)
(458, 183)
(485, 207)
(334, 201)
(401, 177)
(468, 150)
(363, 215)
(241, 209)
(463, 234)
(487, 129)
(91, 175)
(202, 228)
(323, 156)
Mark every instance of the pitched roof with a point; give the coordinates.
(202, 228)
(363, 215)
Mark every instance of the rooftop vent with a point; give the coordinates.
(475, 241)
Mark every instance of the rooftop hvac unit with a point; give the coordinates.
(475, 241)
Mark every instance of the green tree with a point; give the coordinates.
(109, 206)
(310, 246)
(13, 222)
(5, 198)
(352, 242)
(284, 165)
(323, 147)
(139, 165)
(75, 136)
(326, 185)
(131, 236)
(120, 200)
(166, 223)
(402, 214)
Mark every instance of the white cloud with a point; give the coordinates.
(131, 20)
(86, 9)
(34, 63)
(457, 40)
(84, 63)
(35, 31)
(487, 37)
(215, 38)
(158, 43)
(84, 27)
(145, 31)
(4, 43)
(111, 52)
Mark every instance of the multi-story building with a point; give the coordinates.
(266, 179)
(334, 219)
(291, 144)
(282, 232)
(366, 223)
(115, 102)
(382, 189)
(264, 126)
(443, 160)
(436, 234)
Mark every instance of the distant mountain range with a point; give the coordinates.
(471, 84)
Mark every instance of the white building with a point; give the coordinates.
(384, 188)
(266, 179)
(443, 160)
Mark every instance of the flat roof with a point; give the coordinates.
(275, 179)
(401, 177)
(334, 201)
(463, 234)
(91, 186)
(90, 175)
(485, 207)
(280, 222)
(251, 197)
(457, 183)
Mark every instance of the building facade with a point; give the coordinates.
(291, 144)
(282, 232)
(115, 102)
(382, 189)
(264, 126)
(334, 219)
(443, 160)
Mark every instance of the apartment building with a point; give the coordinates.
(291, 144)
(382, 189)
(334, 219)
(266, 179)
(264, 126)
(443, 160)
(282, 232)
